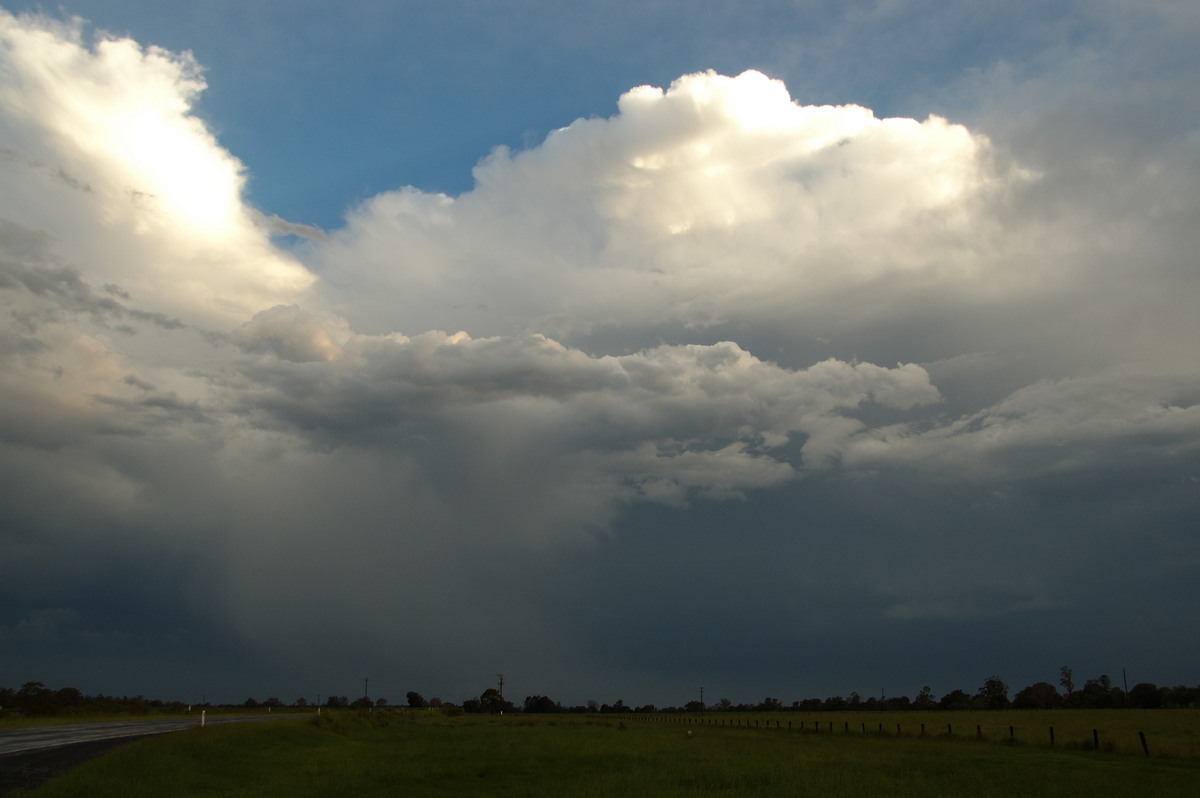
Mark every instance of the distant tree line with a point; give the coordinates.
(35, 698)
(993, 693)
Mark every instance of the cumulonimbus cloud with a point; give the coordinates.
(718, 206)
(715, 290)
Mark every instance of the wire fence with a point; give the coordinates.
(1118, 741)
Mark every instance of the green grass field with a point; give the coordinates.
(430, 754)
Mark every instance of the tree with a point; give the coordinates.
(1145, 696)
(724, 705)
(834, 703)
(492, 702)
(1181, 696)
(1099, 694)
(925, 699)
(540, 704)
(416, 700)
(955, 699)
(301, 701)
(1066, 679)
(68, 697)
(993, 693)
(1091, 695)
(1040, 695)
(31, 690)
(37, 698)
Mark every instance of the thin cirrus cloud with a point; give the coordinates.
(413, 426)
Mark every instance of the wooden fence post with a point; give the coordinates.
(1051, 735)
(1145, 748)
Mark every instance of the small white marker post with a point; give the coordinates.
(202, 717)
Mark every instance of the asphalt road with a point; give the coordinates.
(37, 738)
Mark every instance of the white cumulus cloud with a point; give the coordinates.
(717, 199)
(102, 151)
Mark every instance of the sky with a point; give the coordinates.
(785, 349)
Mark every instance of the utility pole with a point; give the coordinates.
(366, 693)
(501, 675)
(701, 697)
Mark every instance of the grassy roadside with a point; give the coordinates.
(16, 720)
(427, 754)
